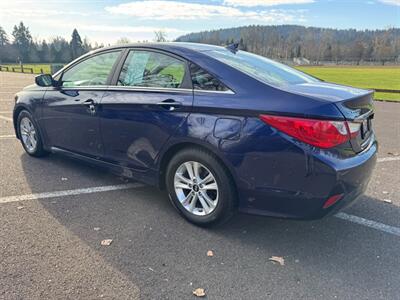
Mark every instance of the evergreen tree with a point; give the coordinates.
(86, 45)
(59, 50)
(242, 45)
(76, 44)
(44, 52)
(3, 37)
(33, 55)
(22, 40)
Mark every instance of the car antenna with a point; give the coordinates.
(234, 47)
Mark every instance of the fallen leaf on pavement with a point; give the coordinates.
(64, 178)
(96, 228)
(385, 192)
(387, 201)
(393, 153)
(277, 259)
(106, 242)
(20, 207)
(210, 253)
(199, 292)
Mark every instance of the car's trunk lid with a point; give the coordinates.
(359, 110)
(355, 104)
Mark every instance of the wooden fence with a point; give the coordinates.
(20, 69)
(386, 91)
(23, 69)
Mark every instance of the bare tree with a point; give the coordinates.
(123, 40)
(286, 42)
(160, 36)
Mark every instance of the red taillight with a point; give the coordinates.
(332, 200)
(319, 133)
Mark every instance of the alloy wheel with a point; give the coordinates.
(196, 188)
(28, 134)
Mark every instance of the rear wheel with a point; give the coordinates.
(200, 187)
(29, 135)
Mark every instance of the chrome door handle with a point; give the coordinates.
(91, 104)
(170, 104)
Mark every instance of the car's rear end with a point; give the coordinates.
(322, 163)
(354, 170)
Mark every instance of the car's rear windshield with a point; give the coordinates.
(261, 68)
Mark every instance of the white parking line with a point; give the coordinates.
(91, 190)
(7, 136)
(388, 159)
(99, 189)
(369, 223)
(5, 111)
(6, 118)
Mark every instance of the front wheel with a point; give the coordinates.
(200, 187)
(29, 135)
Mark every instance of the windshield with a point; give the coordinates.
(261, 68)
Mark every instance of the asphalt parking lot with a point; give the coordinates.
(54, 213)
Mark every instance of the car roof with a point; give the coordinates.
(167, 46)
(186, 50)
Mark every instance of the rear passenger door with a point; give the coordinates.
(150, 98)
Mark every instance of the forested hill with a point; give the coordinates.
(286, 42)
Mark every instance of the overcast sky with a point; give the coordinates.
(107, 20)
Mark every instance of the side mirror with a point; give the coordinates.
(44, 80)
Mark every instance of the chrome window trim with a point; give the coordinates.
(148, 89)
(145, 89)
(85, 87)
(228, 92)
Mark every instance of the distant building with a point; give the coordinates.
(301, 61)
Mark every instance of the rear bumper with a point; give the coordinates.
(303, 181)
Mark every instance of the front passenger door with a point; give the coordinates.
(71, 110)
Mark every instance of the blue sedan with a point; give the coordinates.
(220, 129)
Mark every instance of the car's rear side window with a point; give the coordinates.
(92, 71)
(261, 68)
(202, 80)
(152, 69)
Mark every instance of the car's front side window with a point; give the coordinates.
(152, 69)
(92, 71)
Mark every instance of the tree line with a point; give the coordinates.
(288, 42)
(23, 48)
(20, 47)
(281, 42)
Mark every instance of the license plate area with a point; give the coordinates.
(365, 132)
(366, 128)
(362, 140)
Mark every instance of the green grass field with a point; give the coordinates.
(363, 77)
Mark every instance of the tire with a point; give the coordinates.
(29, 135)
(217, 191)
